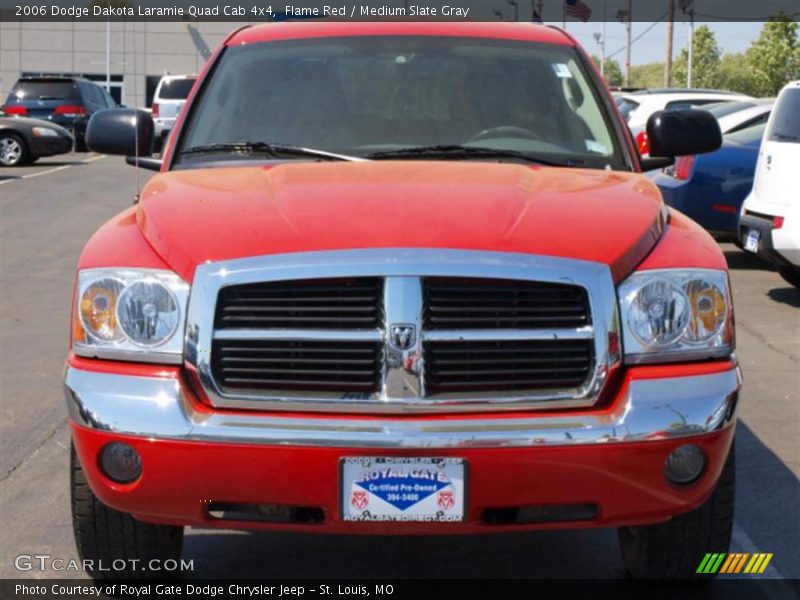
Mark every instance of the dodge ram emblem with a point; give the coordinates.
(403, 336)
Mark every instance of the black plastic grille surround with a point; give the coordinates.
(352, 303)
(503, 304)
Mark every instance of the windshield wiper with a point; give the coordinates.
(275, 150)
(456, 151)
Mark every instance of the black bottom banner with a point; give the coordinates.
(74, 589)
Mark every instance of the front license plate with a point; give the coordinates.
(752, 239)
(403, 489)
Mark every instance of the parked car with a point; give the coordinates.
(741, 114)
(710, 188)
(770, 219)
(636, 108)
(168, 100)
(65, 101)
(640, 105)
(24, 141)
(438, 259)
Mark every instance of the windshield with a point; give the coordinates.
(723, 109)
(750, 135)
(175, 89)
(43, 88)
(365, 95)
(626, 107)
(785, 125)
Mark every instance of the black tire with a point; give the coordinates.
(21, 156)
(790, 275)
(104, 535)
(674, 549)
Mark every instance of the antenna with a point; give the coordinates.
(136, 154)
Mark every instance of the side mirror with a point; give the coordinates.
(125, 131)
(682, 132)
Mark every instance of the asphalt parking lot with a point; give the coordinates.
(48, 211)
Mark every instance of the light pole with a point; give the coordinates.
(668, 58)
(516, 8)
(601, 41)
(624, 16)
(687, 6)
(108, 55)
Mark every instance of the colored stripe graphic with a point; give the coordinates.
(741, 562)
(711, 563)
(733, 563)
(727, 564)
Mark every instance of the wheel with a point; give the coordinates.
(674, 549)
(13, 151)
(104, 535)
(790, 275)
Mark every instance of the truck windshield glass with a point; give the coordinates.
(365, 95)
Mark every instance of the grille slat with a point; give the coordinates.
(312, 303)
(329, 322)
(293, 361)
(497, 303)
(514, 365)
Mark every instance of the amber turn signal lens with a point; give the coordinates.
(98, 309)
(708, 310)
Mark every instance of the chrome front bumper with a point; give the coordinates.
(649, 409)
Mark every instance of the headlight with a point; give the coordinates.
(130, 314)
(44, 132)
(671, 315)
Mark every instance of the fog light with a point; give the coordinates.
(685, 464)
(121, 462)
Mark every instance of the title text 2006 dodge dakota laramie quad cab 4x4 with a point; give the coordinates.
(402, 278)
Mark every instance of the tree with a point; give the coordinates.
(612, 71)
(736, 75)
(705, 60)
(774, 58)
(650, 75)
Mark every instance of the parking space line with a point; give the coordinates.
(743, 543)
(47, 172)
(54, 170)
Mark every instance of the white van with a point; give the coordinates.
(769, 223)
(168, 100)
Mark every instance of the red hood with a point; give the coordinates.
(200, 215)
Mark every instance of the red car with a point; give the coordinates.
(402, 278)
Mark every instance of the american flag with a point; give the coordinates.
(577, 9)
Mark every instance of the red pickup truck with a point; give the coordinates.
(402, 278)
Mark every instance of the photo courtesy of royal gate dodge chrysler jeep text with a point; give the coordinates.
(412, 282)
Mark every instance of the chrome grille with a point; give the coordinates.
(503, 304)
(388, 330)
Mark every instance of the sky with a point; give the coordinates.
(651, 47)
